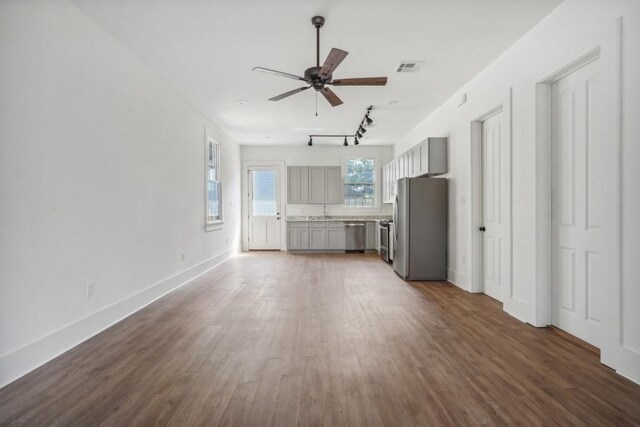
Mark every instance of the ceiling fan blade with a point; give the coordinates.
(278, 73)
(286, 94)
(364, 81)
(331, 97)
(335, 57)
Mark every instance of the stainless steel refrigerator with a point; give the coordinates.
(420, 220)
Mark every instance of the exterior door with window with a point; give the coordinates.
(264, 208)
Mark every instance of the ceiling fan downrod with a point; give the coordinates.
(318, 22)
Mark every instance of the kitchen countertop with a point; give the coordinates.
(338, 218)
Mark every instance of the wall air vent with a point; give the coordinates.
(409, 66)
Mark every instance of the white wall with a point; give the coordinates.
(101, 179)
(571, 30)
(320, 155)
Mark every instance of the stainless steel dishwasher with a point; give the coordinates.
(355, 236)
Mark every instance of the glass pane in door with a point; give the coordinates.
(264, 192)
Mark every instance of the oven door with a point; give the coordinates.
(383, 232)
(384, 236)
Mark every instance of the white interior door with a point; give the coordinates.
(264, 207)
(576, 204)
(496, 205)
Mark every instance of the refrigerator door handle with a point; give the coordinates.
(395, 217)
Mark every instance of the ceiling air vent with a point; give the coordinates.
(409, 66)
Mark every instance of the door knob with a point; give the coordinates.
(482, 228)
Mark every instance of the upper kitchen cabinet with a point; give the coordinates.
(298, 184)
(427, 158)
(334, 188)
(416, 165)
(317, 184)
(433, 157)
(314, 185)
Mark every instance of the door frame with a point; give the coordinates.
(610, 53)
(544, 280)
(501, 105)
(246, 165)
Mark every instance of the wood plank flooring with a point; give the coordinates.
(282, 339)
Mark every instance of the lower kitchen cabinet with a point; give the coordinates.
(336, 236)
(317, 238)
(298, 236)
(329, 236)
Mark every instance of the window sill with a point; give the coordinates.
(212, 226)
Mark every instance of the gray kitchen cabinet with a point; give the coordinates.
(416, 169)
(434, 156)
(372, 235)
(325, 185)
(298, 184)
(317, 184)
(336, 235)
(297, 236)
(333, 182)
(317, 238)
(408, 163)
(395, 175)
(385, 183)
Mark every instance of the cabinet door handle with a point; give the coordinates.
(483, 228)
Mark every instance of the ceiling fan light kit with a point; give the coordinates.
(319, 77)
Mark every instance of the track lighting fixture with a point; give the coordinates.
(356, 137)
(367, 119)
(345, 143)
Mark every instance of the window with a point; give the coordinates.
(263, 191)
(359, 182)
(214, 186)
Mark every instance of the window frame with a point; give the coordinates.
(213, 224)
(374, 182)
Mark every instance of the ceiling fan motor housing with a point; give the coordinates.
(312, 75)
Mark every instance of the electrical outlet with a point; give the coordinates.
(463, 200)
(226, 241)
(91, 289)
(183, 256)
(464, 259)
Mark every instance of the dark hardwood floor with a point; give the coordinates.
(281, 339)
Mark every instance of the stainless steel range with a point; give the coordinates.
(384, 235)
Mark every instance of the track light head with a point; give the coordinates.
(358, 134)
(355, 141)
(362, 129)
(345, 143)
(310, 143)
(367, 119)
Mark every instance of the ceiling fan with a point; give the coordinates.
(319, 77)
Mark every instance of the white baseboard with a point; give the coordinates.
(460, 280)
(20, 362)
(629, 377)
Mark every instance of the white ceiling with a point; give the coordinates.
(206, 49)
